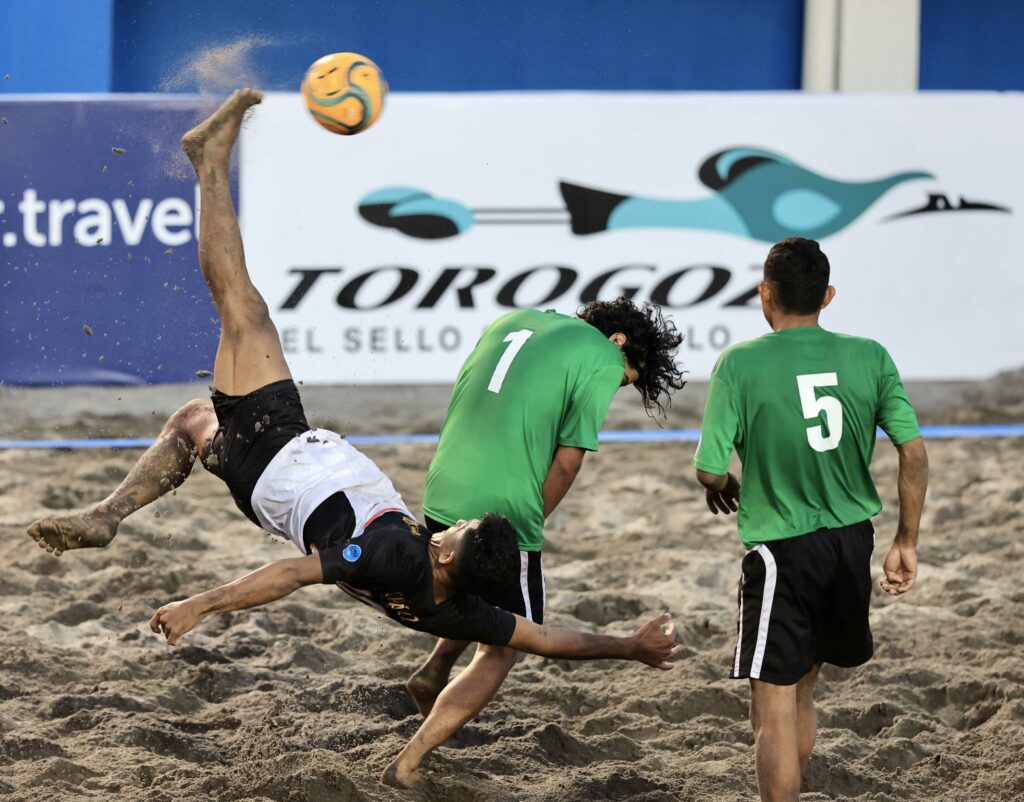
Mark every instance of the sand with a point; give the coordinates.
(304, 699)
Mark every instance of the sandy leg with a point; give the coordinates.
(161, 468)
(460, 701)
(249, 354)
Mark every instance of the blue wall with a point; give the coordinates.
(144, 45)
(455, 45)
(56, 45)
(972, 45)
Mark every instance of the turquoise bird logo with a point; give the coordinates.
(756, 194)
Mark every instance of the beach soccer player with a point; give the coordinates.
(310, 485)
(800, 406)
(527, 406)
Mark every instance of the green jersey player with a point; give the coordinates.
(508, 415)
(800, 406)
(527, 405)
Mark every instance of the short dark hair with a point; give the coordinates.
(487, 558)
(797, 271)
(651, 343)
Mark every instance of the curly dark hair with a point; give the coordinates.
(651, 343)
(487, 558)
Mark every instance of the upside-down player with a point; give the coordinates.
(311, 486)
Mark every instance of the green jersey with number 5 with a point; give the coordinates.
(534, 381)
(800, 407)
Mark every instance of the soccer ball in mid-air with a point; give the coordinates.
(344, 92)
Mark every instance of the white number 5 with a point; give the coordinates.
(516, 340)
(812, 406)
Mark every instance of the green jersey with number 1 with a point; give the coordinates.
(800, 406)
(534, 381)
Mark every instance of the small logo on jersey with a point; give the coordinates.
(352, 552)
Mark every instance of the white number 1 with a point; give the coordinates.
(516, 340)
(812, 406)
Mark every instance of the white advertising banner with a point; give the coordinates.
(384, 255)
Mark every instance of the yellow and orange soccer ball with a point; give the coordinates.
(344, 92)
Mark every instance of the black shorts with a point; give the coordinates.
(804, 600)
(525, 597)
(253, 428)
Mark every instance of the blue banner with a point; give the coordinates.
(99, 282)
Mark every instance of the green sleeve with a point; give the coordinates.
(720, 426)
(588, 407)
(895, 415)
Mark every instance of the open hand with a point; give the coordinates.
(174, 620)
(655, 642)
(725, 500)
(900, 568)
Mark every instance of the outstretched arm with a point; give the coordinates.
(564, 466)
(271, 582)
(651, 644)
(900, 564)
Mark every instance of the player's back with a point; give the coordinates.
(518, 396)
(806, 402)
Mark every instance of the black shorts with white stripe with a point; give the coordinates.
(804, 600)
(528, 595)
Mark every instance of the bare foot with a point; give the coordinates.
(424, 687)
(397, 777)
(86, 530)
(214, 137)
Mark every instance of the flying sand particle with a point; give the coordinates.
(3, 120)
(87, 330)
(259, 426)
(102, 359)
(202, 374)
(169, 251)
(118, 151)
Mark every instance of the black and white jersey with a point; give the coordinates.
(388, 566)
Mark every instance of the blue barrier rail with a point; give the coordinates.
(996, 430)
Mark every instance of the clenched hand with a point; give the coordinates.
(900, 569)
(174, 620)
